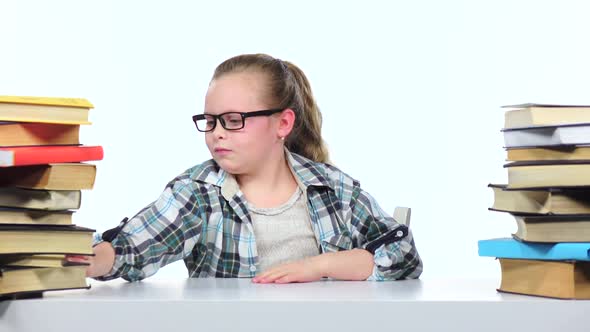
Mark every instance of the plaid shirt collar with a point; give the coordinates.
(306, 172)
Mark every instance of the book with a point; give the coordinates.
(65, 176)
(35, 217)
(27, 239)
(29, 133)
(15, 281)
(35, 260)
(547, 174)
(553, 229)
(530, 114)
(562, 152)
(53, 200)
(575, 134)
(511, 248)
(38, 155)
(44, 109)
(556, 279)
(544, 201)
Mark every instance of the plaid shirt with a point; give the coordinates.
(202, 217)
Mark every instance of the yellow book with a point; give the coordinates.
(530, 114)
(67, 176)
(15, 281)
(44, 109)
(548, 174)
(40, 239)
(51, 101)
(34, 260)
(569, 152)
(545, 201)
(557, 279)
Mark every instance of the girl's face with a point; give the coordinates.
(240, 151)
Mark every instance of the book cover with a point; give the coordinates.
(525, 115)
(546, 163)
(68, 176)
(45, 239)
(39, 155)
(72, 111)
(554, 279)
(50, 101)
(557, 201)
(31, 133)
(529, 105)
(16, 216)
(51, 200)
(558, 152)
(547, 136)
(19, 280)
(511, 248)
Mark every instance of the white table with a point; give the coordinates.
(239, 305)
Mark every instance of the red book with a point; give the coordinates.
(40, 155)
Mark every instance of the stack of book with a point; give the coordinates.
(41, 177)
(548, 193)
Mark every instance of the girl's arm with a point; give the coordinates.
(394, 253)
(382, 250)
(355, 264)
(163, 232)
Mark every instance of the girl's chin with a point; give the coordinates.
(228, 166)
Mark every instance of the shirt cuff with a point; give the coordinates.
(383, 258)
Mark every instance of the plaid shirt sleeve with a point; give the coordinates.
(161, 233)
(394, 258)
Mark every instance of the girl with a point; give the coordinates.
(268, 206)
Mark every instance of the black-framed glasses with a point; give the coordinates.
(229, 120)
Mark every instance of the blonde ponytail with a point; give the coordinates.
(306, 137)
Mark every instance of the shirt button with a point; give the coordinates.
(252, 268)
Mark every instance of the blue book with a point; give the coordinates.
(511, 248)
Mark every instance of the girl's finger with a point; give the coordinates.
(274, 276)
(77, 259)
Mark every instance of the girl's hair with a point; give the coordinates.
(287, 87)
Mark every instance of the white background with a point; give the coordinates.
(410, 93)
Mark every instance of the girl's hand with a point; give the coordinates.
(100, 264)
(354, 264)
(305, 270)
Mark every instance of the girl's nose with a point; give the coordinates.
(219, 131)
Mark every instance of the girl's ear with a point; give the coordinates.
(286, 122)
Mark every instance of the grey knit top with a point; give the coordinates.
(283, 233)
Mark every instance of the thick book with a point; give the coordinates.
(65, 176)
(27, 239)
(39, 155)
(511, 248)
(35, 217)
(35, 261)
(44, 109)
(575, 134)
(22, 280)
(52, 200)
(541, 201)
(530, 114)
(561, 152)
(552, 228)
(548, 174)
(29, 133)
(555, 279)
